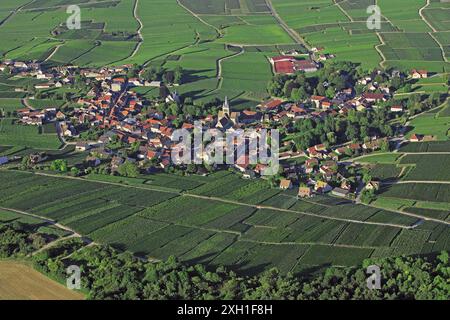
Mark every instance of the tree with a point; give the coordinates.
(75, 171)
(59, 165)
(367, 196)
(178, 75)
(26, 163)
(128, 169)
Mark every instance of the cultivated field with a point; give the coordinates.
(21, 282)
(412, 34)
(129, 31)
(218, 220)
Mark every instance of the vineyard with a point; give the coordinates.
(223, 220)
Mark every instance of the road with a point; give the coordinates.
(292, 33)
(423, 17)
(139, 30)
(55, 50)
(47, 220)
(415, 182)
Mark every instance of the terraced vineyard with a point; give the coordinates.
(223, 227)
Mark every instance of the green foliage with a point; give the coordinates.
(59, 165)
(108, 274)
(128, 169)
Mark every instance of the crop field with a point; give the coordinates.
(433, 146)
(228, 229)
(430, 124)
(385, 171)
(386, 158)
(21, 135)
(340, 28)
(109, 35)
(427, 167)
(228, 7)
(22, 282)
(421, 192)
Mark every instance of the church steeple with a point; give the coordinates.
(226, 107)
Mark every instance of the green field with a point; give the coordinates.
(427, 167)
(403, 41)
(159, 223)
(26, 136)
(430, 124)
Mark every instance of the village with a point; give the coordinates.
(123, 128)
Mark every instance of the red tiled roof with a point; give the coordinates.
(284, 67)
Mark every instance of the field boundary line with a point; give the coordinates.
(53, 243)
(423, 17)
(14, 12)
(139, 30)
(291, 243)
(343, 11)
(219, 33)
(377, 48)
(48, 220)
(442, 50)
(410, 214)
(415, 181)
(291, 32)
(54, 51)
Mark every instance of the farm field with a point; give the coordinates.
(430, 124)
(223, 227)
(405, 40)
(22, 282)
(431, 167)
(432, 146)
(26, 136)
(109, 36)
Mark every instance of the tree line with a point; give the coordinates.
(110, 274)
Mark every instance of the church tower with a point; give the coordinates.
(226, 107)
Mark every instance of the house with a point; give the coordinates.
(419, 74)
(373, 97)
(373, 185)
(82, 146)
(339, 192)
(322, 187)
(242, 163)
(310, 164)
(305, 192)
(116, 162)
(289, 65)
(396, 109)
(285, 184)
(416, 137)
(272, 105)
(375, 144)
(317, 100)
(326, 105)
(248, 116)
